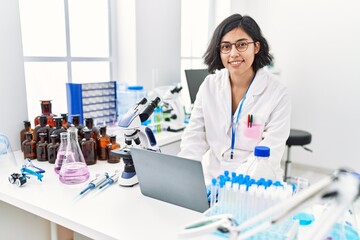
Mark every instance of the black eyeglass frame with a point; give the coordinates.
(231, 44)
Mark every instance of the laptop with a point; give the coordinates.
(171, 179)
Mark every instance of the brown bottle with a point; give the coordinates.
(42, 128)
(53, 148)
(41, 148)
(88, 147)
(29, 146)
(89, 123)
(102, 141)
(27, 128)
(78, 125)
(65, 122)
(57, 129)
(112, 146)
(46, 110)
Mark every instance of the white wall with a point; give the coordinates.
(12, 89)
(158, 42)
(316, 47)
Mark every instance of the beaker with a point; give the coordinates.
(74, 169)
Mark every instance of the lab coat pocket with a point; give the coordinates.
(250, 136)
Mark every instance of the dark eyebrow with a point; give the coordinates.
(241, 39)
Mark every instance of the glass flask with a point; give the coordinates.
(61, 152)
(88, 147)
(53, 148)
(74, 169)
(27, 128)
(46, 110)
(29, 146)
(112, 146)
(41, 148)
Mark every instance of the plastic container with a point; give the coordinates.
(261, 167)
(128, 96)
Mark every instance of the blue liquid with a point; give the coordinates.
(74, 173)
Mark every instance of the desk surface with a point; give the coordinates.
(115, 213)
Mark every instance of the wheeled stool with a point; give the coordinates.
(296, 138)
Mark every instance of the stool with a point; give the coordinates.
(296, 138)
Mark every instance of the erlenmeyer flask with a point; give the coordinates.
(74, 169)
(62, 151)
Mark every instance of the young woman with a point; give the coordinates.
(240, 105)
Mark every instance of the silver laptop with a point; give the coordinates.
(171, 179)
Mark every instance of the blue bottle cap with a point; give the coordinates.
(304, 218)
(135, 87)
(262, 151)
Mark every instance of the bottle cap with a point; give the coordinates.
(262, 151)
(304, 218)
(135, 87)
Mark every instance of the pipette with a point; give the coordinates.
(112, 179)
(100, 178)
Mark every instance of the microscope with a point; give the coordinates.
(142, 136)
(172, 107)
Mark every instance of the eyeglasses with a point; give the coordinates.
(240, 45)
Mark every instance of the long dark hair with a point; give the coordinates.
(212, 55)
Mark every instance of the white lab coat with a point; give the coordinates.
(208, 134)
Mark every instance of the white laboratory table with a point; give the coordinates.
(115, 213)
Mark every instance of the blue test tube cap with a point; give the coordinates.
(262, 151)
(213, 181)
(268, 183)
(278, 184)
(246, 178)
(226, 173)
(233, 175)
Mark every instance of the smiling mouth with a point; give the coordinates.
(236, 62)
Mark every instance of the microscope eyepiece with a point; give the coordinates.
(149, 109)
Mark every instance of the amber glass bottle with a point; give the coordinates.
(41, 148)
(57, 129)
(42, 128)
(65, 122)
(27, 128)
(29, 146)
(112, 146)
(46, 110)
(88, 147)
(78, 125)
(102, 142)
(53, 148)
(89, 123)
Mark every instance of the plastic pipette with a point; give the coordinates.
(112, 179)
(100, 178)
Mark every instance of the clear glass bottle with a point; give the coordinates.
(261, 167)
(29, 146)
(102, 141)
(88, 147)
(46, 110)
(53, 148)
(112, 146)
(74, 169)
(61, 152)
(27, 128)
(41, 148)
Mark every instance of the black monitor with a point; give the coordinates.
(194, 78)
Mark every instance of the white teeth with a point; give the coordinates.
(234, 63)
